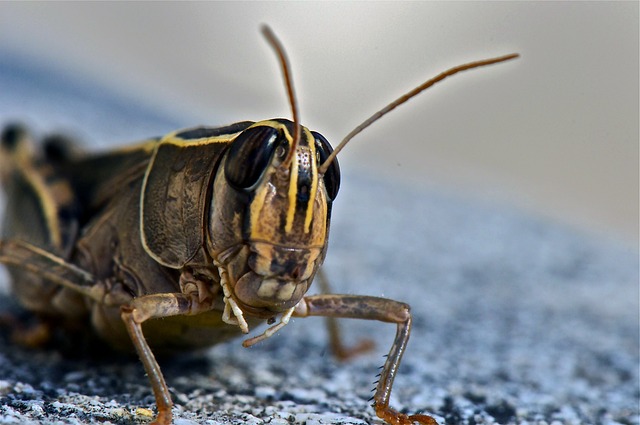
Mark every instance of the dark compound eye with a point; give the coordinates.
(58, 148)
(332, 176)
(11, 136)
(249, 156)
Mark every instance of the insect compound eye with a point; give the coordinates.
(249, 156)
(11, 136)
(57, 148)
(332, 176)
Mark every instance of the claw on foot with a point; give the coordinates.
(394, 417)
(164, 418)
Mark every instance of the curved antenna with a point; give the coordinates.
(402, 99)
(286, 73)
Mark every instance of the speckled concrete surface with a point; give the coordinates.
(517, 320)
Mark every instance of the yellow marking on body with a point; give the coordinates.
(268, 288)
(274, 124)
(258, 203)
(173, 139)
(20, 158)
(314, 182)
(293, 175)
(145, 146)
(49, 204)
(271, 288)
(293, 191)
(286, 291)
(143, 236)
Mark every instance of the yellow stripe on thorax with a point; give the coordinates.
(173, 139)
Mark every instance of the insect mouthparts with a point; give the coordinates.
(203, 228)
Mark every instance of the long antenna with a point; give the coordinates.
(402, 99)
(288, 81)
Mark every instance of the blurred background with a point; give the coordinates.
(555, 132)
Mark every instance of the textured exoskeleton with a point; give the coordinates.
(214, 230)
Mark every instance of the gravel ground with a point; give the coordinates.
(517, 319)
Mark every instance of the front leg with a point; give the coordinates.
(156, 306)
(372, 308)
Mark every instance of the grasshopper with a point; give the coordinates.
(214, 230)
